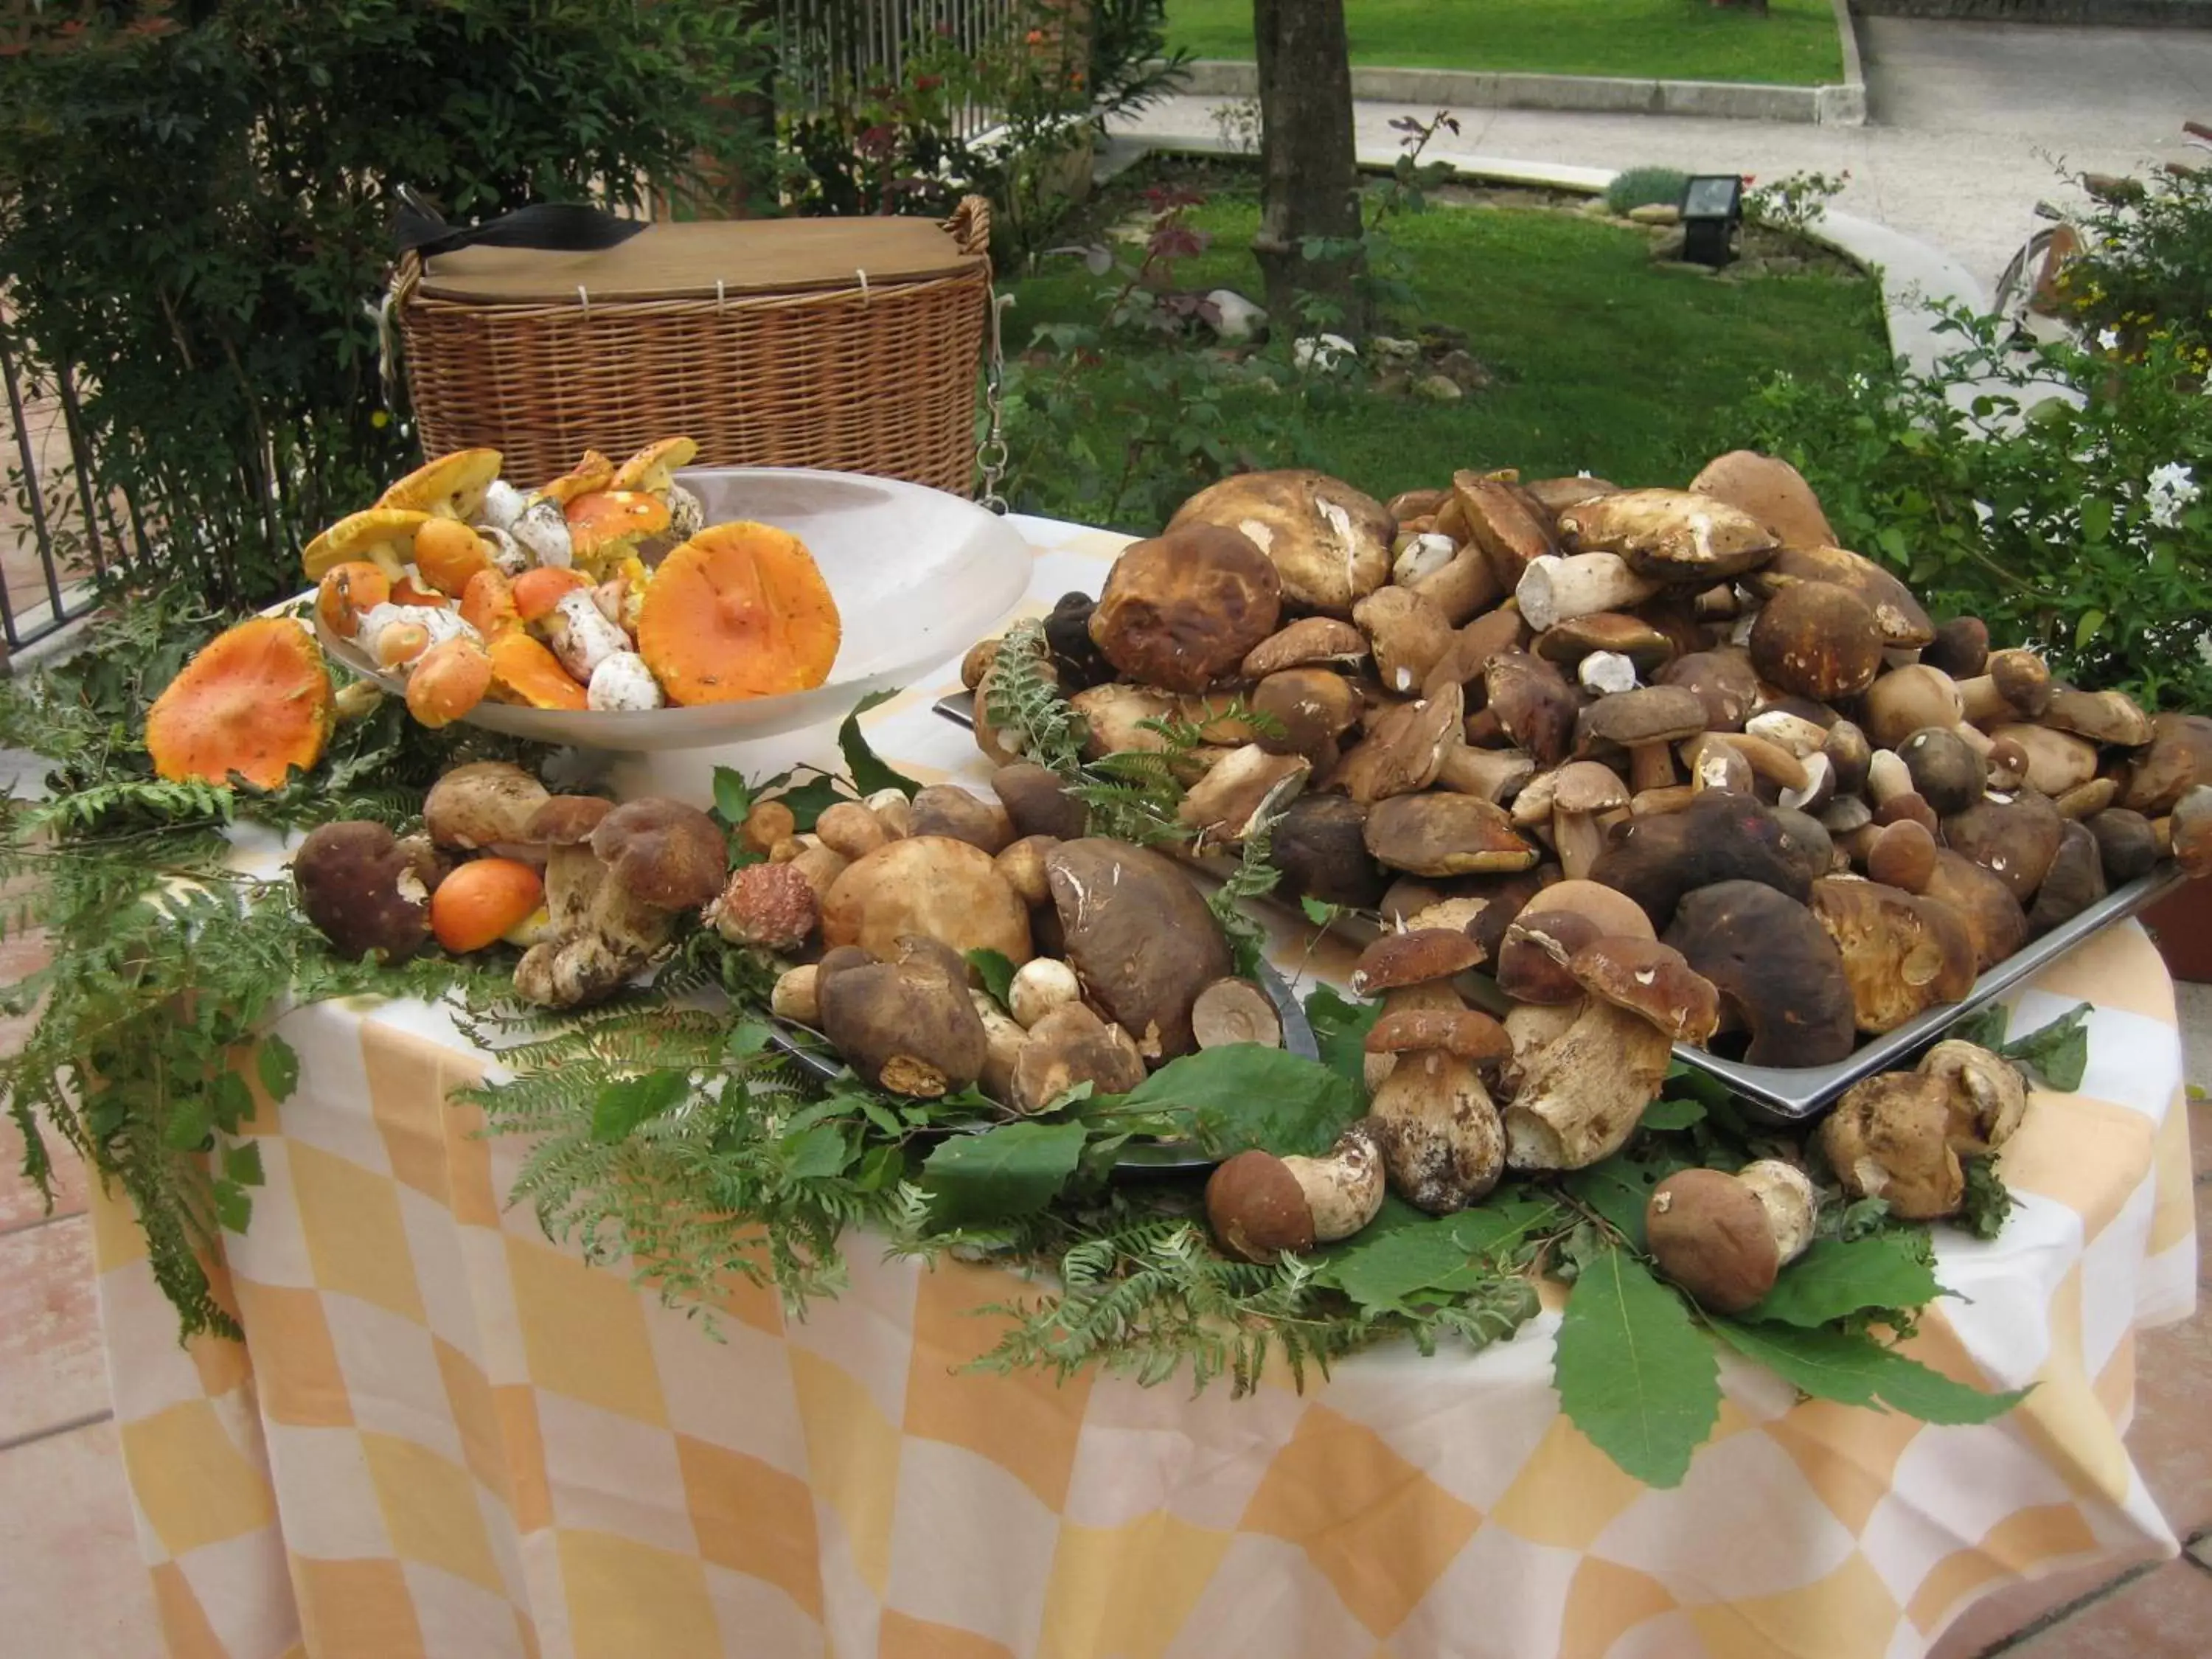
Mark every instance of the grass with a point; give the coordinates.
(1601, 362)
(1795, 44)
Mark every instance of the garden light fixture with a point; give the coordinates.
(1712, 206)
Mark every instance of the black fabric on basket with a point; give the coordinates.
(561, 226)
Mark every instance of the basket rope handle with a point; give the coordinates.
(971, 225)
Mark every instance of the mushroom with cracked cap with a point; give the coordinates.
(1888, 1138)
(1670, 535)
(1180, 611)
(1329, 543)
(1069, 1046)
(1903, 954)
(1260, 1206)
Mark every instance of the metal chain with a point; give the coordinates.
(991, 454)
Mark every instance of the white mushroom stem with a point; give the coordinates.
(1553, 590)
(622, 682)
(1578, 838)
(437, 622)
(1424, 554)
(1442, 1143)
(579, 636)
(1005, 1036)
(542, 527)
(1581, 1094)
(1343, 1191)
(1785, 1192)
(1887, 777)
(1606, 673)
(1495, 774)
(1041, 985)
(503, 505)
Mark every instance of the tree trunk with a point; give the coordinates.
(1309, 174)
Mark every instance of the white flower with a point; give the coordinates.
(2108, 339)
(1323, 352)
(1984, 513)
(2173, 488)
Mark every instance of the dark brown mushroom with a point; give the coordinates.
(905, 1025)
(1329, 543)
(1310, 642)
(1903, 625)
(1724, 681)
(1945, 772)
(1535, 948)
(1960, 648)
(1646, 723)
(2110, 717)
(2179, 754)
(1181, 610)
(1717, 837)
(1775, 967)
(1709, 1234)
(365, 891)
(2074, 881)
(2014, 841)
(1534, 703)
(1445, 834)
(1139, 937)
(1402, 750)
(1396, 962)
(1817, 640)
(1313, 707)
(1320, 847)
(1994, 920)
(1037, 802)
(1772, 491)
(1651, 980)
(1510, 530)
(1612, 631)
(2125, 842)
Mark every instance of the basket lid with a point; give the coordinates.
(686, 261)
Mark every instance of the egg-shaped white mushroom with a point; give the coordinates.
(622, 682)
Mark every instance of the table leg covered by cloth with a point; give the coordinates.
(444, 1435)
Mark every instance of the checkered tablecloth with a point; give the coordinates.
(443, 1436)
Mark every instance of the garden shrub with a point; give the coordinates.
(196, 204)
(2147, 273)
(2056, 493)
(1645, 187)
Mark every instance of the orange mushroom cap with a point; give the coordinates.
(349, 592)
(408, 591)
(608, 519)
(449, 681)
(739, 610)
(256, 700)
(383, 536)
(487, 604)
(652, 466)
(400, 643)
(448, 554)
(537, 591)
(482, 900)
(520, 665)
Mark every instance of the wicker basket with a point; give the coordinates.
(848, 344)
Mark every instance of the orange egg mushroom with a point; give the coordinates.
(408, 591)
(739, 610)
(450, 680)
(449, 554)
(452, 486)
(605, 525)
(347, 592)
(256, 700)
(537, 591)
(482, 901)
(487, 604)
(520, 664)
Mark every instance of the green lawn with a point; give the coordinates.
(1601, 362)
(1673, 40)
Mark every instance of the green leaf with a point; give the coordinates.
(811, 799)
(1620, 1187)
(734, 796)
(190, 1119)
(229, 1101)
(1984, 1026)
(996, 972)
(2086, 629)
(242, 1164)
(1988, 1200)
(1015, 1170)
(748, 1036)
(233, 1208)
(1243, 1095)
(1441, 1257)
(1632, 1370)
(1340, 1029)
(1857, 1371)
(2057, 1053)
(1318, 912)
(278, 1067)
(817, 1152)
(630, 1101)
(1833, 1279)
(1676, 1112)
(869, 772)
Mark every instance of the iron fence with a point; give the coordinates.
(829, 47)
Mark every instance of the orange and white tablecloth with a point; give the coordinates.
(444, 1436)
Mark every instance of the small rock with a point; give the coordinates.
(1687, 267)
(1667, 248)
(1392, 383)
(1384, 352)
(1464, 371)
(1323, 351)
(1657, 213)
(1437, 389)
(1240, 317)
(1441, 337)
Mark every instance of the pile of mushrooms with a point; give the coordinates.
(594, 893)
(1118, 965)
(1506, 693)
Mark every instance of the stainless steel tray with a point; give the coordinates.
(1138, 1156)
(1788, 1095)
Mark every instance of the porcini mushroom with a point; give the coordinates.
(1069, 1045)
(1645, 723)
(364, 891)
(1233, 1010)
(1776, 968)
(1818, 640)
(1443, 1145)
(1772, 491)
(1723, 1238)
(1138, 935)
(1320, 846)
(1581, 1095)
(485, 806)
(1445, 834)
(1985, 1097)
(1670, 535)
(1179, 610)
(1329, 543)
(1260, 1206)
(1888, 1138)
(905, 1025)
(1902, 954)
(931, 886)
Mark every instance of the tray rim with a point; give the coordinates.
(1790, 1095)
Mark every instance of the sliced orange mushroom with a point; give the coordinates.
(520, 665)
(595, 471)
(383, 536)
(450, 680)
(482, 901)
(487, 604)
(398, 644)
(347, 592)
(605, 525)
(256, 700)
(654, 467)
(537, 591)
(448, 554)
(739, 610)
(451, 486)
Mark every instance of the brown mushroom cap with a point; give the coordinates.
(1509, 527)
(1038, 802)
(1717, 837)
(567, 820)
(1709, 1234)
(2125, 842)
(1534, 703)
(930, 885)
(1139, 936)
(365, 891)
(908, 1024)
(1537, 941)
(1314, 707)
(1397, 960)
(1724, 681)
(1067, 1046)
(2100, 716)
(1445, 834)
(2014, 841)
(1256, 1208)
(1461, 1031)
(1568, 642)
(1817, 640)
(1961, 647)
(483, 805)
(1985, 1095)
(1775, 970)
(2074, 881)
(1181, 610)
(1772, 491)
(2189, 830)
(1651, 980)
(1902, 954)
(663, 852)
(1468, 662)
(2180, 754)
(1329, 543)
(1585, 786)
(1554, 495)
(1320, 846)
(1996, 923)
(1653, 714)
(1403, 749)
(1945, 772)
(1889, 1139)
(1307, 643)
(1669, 535)
(1905, 626)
